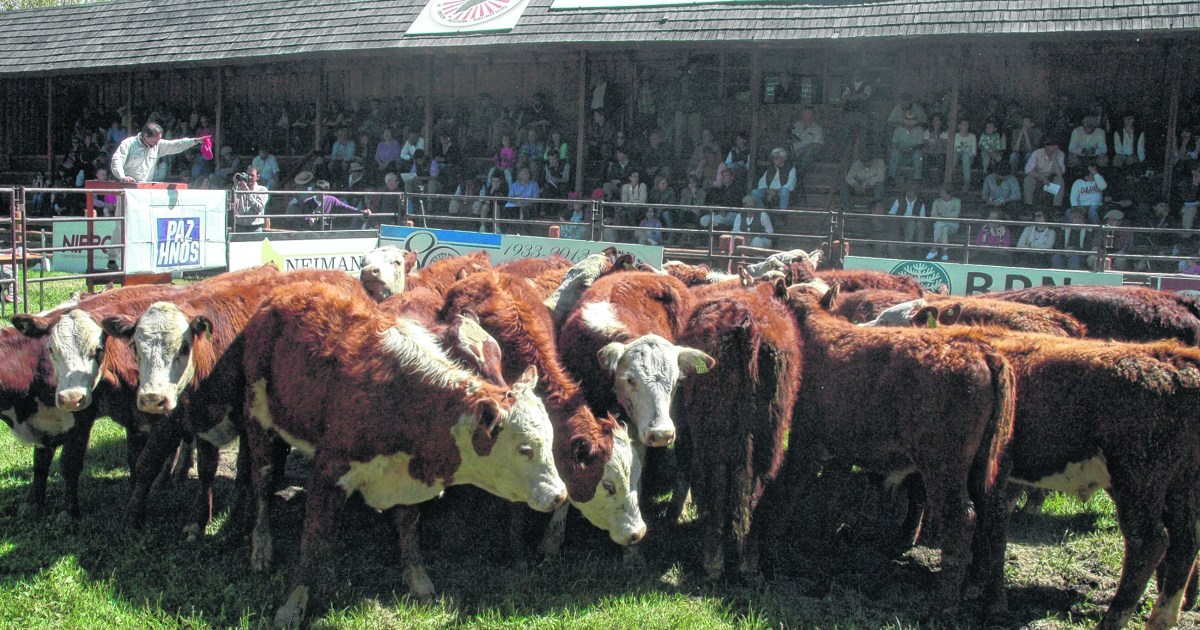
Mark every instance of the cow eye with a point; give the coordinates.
(632, 383)
(609, 487)
(184, 347)
(526, 450)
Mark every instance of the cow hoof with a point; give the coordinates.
(192, 532)
(419, 584)
(291, 613)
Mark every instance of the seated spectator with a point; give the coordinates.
(342, 154)
(421, 178)
(1129, 145)
(617, 174)
(387, 152)
(710, 167)
(1000, 189)
(463, 193)
(520, 193)
(907, 205)
(356, 185)
(556, 177)
(105, 205)
(412, 143)
(557, 145)
(1187, 149)
(1088, 145)
(1188, 191)
(504, 160)
(633, 191)
(738, 158)
(699, 154)
(1081, 238)
(690, 199)
(1038, 236)
(865, 177)
(946, 207)
(1044, 167)
(907, 142)
(993, 235)
(807, 139)
(780, 176)
(754, 221)
(937, 142)
(903, 108)
(1087, 195)
(992, 146)
(489, 207)
(448, 158)
(329, 206)
(651, 229)
(1025, 140)
(387, 206)
(267, 166)
(576, 218)
(965, 149)
(656, 157)
(39, 205)
(531, 151)
(663, 194)
(1122, 240)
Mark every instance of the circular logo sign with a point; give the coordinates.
(930, 275)
(469, 12)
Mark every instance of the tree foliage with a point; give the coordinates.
(12, 5)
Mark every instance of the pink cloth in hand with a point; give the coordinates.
(206, 147)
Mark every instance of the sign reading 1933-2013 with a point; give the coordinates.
(445, 17)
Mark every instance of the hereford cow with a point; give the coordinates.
(594, 455)
(46, 390)
(1123, 313)
(850, 281)
(863, 306)
(463, 339)
(442, 274)
(384, 413)
(576, 280)
(695, 275)
(935, 401)
(626, 325)
(734, 420)
(384, 270)
(533, 267)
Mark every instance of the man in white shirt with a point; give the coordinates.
(267, 166)
(780, 176)
(1088, 145)
(137, 156)
(807, 139)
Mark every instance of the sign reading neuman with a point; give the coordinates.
(975, 279)
(341, 250)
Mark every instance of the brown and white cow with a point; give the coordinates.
(864, 306)
(733, 422)
(695, 275)
(384, 271)
(938, 402)
(440, 275)
(385, 413)
(594, 454)
(1126, 313)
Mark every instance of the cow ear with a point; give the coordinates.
(410, 260)
(529, 378)
(926, 316)
(625, 261)
(781, 288)
(32, 326)
(202, 325)
(119, 326)
(949, 315)
(943, 289)
(489, 416)
(610, 356)
(695, 361)
(829, 300)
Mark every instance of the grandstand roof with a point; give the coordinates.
(123, 35)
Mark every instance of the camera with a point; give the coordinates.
(242, 178)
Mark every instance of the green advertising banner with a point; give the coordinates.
(641, 4)
(976, 279)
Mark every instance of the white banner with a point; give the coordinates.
(75, 234)
(432, 245)
(448, 17)
(170, 230)
(302, 250)
(975, 279)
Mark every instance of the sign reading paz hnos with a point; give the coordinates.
(174, 230)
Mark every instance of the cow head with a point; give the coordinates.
(645, 373)
(474, 343)
(164, 341)
(508, 447)
(75, 343)
(904, 314)
(384, 271)
(613, 504)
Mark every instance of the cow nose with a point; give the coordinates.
(561, 500)
(369, 273)
(636, 537)
(660, 437)
(71, 401)
(152, 403)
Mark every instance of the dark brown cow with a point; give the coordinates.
(850, 281)
(594, 455)
(935, 401)
(384, 413)
(1121, 313)
(442, 274)
(864, 306)
(734, 420)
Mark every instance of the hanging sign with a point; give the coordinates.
(448, 17)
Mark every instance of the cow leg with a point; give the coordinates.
(208, 457)
(279, 455)
(947, 497)
(914, 515)
(320, 514)
(1175, 571)
(1189, 599)
(681, 495)
(261, 478)
(1139, 513)
(135, 443)
(1035, 498)
(35, 504)
(162, 442)
(71, 465)
(243, 491)
(556, 531)
(406, 518)
(183, 459)
(990, 546)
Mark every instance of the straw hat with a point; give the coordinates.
(1114, 214)
(303, 178)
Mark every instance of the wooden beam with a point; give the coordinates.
(427, 128)
(50, 126)
(218, 132)
(755, 111)
(1175, 79)
(127, 119)
(952, 117)
(582, 112)
(322, 88)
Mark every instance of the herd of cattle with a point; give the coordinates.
(511, 378)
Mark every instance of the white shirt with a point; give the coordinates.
(134, 159)
(909, 207)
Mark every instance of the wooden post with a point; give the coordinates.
(127, 119)
(321, 89)
(755, 109)
(427, 129)
(952, 118)
(217, 132)
(582, 112)
(50, 126)
(1174, 77)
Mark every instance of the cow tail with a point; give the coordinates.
(1000, 426)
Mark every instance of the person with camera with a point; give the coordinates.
(249, 202)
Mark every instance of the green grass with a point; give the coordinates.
(96, 573)
(42, 296)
